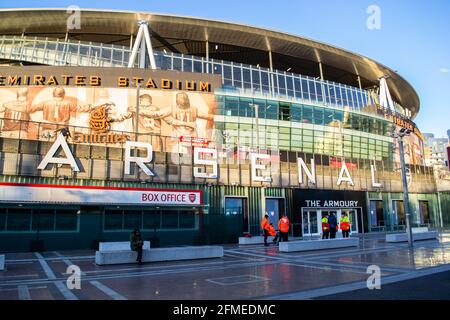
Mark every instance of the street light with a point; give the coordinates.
(402, 133)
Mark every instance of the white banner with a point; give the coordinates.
(97, 195)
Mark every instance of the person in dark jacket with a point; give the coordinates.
(136, 244)
(332, 221)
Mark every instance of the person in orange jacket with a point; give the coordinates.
(283, 227)
(273, 233)
(265, 226)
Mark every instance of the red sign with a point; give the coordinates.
(336, 163)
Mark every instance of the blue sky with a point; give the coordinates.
(413, 38)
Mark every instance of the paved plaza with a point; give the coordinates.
(253, 272)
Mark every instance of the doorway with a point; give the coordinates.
(274, 209)
(312, 219)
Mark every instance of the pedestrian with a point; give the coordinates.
(332, 221)
(136, 244)
(273, 233)
(345, 225)
(325, 227)
(265, 226)
(283, 227)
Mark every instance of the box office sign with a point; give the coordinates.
(10, 192)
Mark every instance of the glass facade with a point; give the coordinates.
(235, 76)
(28, 220)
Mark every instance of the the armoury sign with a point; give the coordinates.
(204, 157)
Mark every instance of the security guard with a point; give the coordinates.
(265, 226)
(273, 233)
(325, 227)
(283, 227)
(345, 225)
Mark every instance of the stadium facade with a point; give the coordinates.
(192, 130)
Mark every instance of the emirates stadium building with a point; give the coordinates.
(191, 130)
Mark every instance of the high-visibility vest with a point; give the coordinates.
(283, 225)
(325, 225)
(272, 231)
(345, 223)
(265, 225)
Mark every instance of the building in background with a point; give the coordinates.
(192, 130)
(436, 152)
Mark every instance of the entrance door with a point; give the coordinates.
(424, 212)
(310, 222)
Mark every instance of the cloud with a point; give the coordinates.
(444, 70)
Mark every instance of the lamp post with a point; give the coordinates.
(405, 132)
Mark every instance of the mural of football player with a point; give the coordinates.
(16, 115)
(57, 111)
(149, 122)
(182, 117)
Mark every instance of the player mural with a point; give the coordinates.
(166, 119)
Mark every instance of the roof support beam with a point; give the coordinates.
(163, 41)
(144, 42)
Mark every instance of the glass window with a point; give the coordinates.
(227, 72)
(152, 220)
(319, 91)
(198, 66)
(246, 75)
(166, 62)
(231, 106)
(305, 89)
(297, 87)
(66, 220)
(290, 85)
(329, 117)
(307, 114)
(2, 219)
(234, 206)
(170, 219)
(237, 77)
(332, 89)
(312, 90)
(19, 219)
(296, 112)
(282, 84)
(318, 115)
(176, 63)
(339, 100)
(256, 80)
(265, 80)
(44, 220)
(285, 112)
(187, 219)
(272, 110)
(217, 68)
(246, 108)
(113, 220)
(132, 220)
(187, 64)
